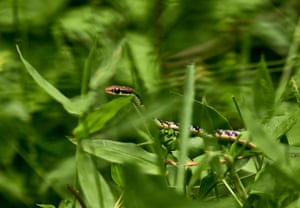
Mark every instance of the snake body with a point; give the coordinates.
(228, 135)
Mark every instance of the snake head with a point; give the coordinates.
(119, 90)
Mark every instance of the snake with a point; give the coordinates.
(221, 134)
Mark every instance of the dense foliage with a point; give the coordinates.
(229, 64)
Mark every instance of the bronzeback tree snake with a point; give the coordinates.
(231, 136)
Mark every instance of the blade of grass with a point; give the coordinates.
(186, 117)
(42, 82)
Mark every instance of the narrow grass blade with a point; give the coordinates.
(186, 117)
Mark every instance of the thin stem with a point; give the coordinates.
(238, 109)
(232, 192)
(238, 183)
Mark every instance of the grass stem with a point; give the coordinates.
(186, 116)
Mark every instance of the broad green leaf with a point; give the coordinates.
(264, 94)
(262, 139)
(71, 107)
(95, 189)
(122, 153)
(279, 125)
(209, 118)
(97, 119)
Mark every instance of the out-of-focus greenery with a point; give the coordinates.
(78, 136)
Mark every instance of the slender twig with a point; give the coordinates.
(232, 192)
(76, 195)
(238, 183)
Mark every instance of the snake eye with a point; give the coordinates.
(117, 90)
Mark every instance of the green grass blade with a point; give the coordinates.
(50, 89)
(186, 118)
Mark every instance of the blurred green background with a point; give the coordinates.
(144, 44)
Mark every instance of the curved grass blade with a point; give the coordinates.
(72, 108)
(186, 117)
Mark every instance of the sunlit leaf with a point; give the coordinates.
(122, 153)
(97, 119)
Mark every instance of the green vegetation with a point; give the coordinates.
(228, 64)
